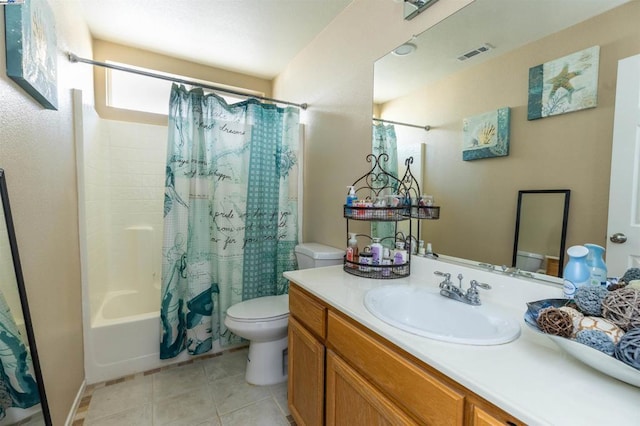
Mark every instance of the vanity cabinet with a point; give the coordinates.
(340, 372)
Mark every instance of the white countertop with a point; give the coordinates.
(530, 378)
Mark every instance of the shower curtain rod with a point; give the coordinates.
(75, 58)
(425, 128)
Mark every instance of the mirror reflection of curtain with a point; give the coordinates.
(385, 142)
(18, 387)
(231, 203)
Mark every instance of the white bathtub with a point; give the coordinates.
(124, 337)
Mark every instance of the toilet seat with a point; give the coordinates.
(260, 309)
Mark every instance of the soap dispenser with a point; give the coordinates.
(352, 248)
(596, 265)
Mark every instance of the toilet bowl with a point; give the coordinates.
(264, 320)
(527, 261)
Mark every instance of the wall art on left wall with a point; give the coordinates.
(30, 36)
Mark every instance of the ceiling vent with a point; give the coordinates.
(470, 54)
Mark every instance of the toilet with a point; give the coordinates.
(526, 261)
(264, 320)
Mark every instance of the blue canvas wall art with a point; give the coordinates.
(486, 135)
(30, 36)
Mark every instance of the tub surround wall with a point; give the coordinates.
(37, 153)
(123, 197)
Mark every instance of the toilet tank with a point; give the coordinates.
(314, 255)
(527, 261)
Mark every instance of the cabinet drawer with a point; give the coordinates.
(423, 395)
(308, 311)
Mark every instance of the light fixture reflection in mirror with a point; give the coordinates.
(541, 231)
(22, 397)
(413, 8)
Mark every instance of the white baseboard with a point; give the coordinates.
(76, 403)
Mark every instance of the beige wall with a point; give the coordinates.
(104, 51)
(37, 152)
(570, 151)
(334, 74)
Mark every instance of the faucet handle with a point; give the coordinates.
(476, 284)
(447, 276)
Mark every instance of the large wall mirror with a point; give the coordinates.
(477, 61)
(22, 396)
(541, 230)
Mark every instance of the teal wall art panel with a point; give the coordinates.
(30, 37)
(564, 85)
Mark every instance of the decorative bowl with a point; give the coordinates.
(592, 357)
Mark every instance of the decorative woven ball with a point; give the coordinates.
(596, 323)
(554, 321)
(616, 286)
(576, 316)
(597, 340)
(628, 349)
(589, 299)
(630, 275)
(622, 307)
(634, 284)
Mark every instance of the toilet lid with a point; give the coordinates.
(261, 308)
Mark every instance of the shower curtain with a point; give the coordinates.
(384, 142)
(230, 210)
(18, 387)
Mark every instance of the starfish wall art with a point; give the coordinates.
(564, 85)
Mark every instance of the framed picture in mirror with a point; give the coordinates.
(541, 231)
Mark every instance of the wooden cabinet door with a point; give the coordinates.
(306, 376)
(352, 401)
(482, 417)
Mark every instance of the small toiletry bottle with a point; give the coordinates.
(421, 250)
(376, 252)
(576, 272)
(400, 256)
(597, 267)
(365, 260)
(352, 248)
(387, 261)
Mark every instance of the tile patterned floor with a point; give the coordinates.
(206, 391)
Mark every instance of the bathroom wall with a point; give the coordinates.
(569, 151)
(334, 74)
(38, 155)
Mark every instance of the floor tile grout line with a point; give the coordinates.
(88, 393)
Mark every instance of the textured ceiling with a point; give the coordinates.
(254, 37)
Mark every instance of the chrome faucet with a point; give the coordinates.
(471, 296)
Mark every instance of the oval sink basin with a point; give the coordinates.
(423, 311)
